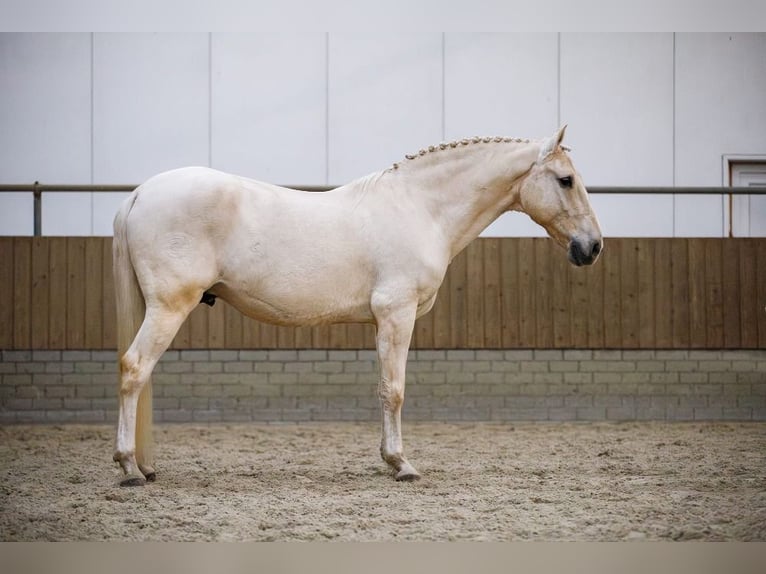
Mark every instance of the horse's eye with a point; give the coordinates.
(565, 181)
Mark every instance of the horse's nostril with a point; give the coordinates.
(596, 248)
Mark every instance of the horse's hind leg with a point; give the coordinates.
(159, 327)
(394, 331)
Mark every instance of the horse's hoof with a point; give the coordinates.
(407, 475)
(133, 481)
(148, 472)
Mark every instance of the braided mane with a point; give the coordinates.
(465, 142)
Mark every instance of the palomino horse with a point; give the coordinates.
(373, 251)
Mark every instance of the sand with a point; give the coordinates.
(257, 482)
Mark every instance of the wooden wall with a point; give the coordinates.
(57, 293)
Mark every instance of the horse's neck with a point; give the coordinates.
(466, 188)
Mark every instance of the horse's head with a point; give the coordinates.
(554, 196)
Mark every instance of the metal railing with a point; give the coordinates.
(37, 189)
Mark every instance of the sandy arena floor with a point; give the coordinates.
(326, 482)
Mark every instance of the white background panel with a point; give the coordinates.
(758, 216)
(16, 214)
(699, 216)
(45, 108)
(720, 103)
(623, 215)
(317, 108)
(500, 84)
(66, 213)
(151, 104)
(269, 106)
(617, 97)
(514, 224)
(386, 96)
(105, 207)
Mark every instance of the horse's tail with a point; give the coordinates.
(131, 309)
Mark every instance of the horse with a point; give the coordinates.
(373, 251)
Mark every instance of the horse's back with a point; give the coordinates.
(279, 254)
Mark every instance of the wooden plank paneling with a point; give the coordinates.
(761, 293)
(41, 293)
(423, 334)
(500, 293)
(216, 333)
(22, 292)
(579, 306)
(354, 334)
(336, 337)
(94, 294)
(697, 295)
(303, 338)
(109, 309)
(561, 305)
(6, 286)
(369, 336)
(730, 284)
(663, 294)
(646, 293)
(75, 316)
(250, 333)
(441, 315)
(474, 256)
(492, 318)
(286, 336)
(679, 262)
(182, 340)
(543, 293)
(612, 296)
(595, 286)
(629, 312)
(198, 327)
(459, 314)
(527, 294)
(232, 326)
(509, 293)
(713, 293)
(748, 289)
(58, 296)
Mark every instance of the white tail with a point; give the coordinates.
(130, 314)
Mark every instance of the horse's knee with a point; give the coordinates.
(391, 395)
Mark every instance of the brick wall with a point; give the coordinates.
(443, 385)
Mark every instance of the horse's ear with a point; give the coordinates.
(550, 145)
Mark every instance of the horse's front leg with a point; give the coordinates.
(394, 331)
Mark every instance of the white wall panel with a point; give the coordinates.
(514, 224)
(720, 103)
(66, 213)
(500, 84)
(16, 213)
(699, 216)
(45, 108)
(105, 207)
(617, 97)
(634, 215)
(385, 100)
(269, 106)
(151, 104)
(757, 216)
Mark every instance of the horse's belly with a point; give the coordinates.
(283, 309)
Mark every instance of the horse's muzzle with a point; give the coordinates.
(584, 252)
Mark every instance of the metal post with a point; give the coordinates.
(38, 209)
